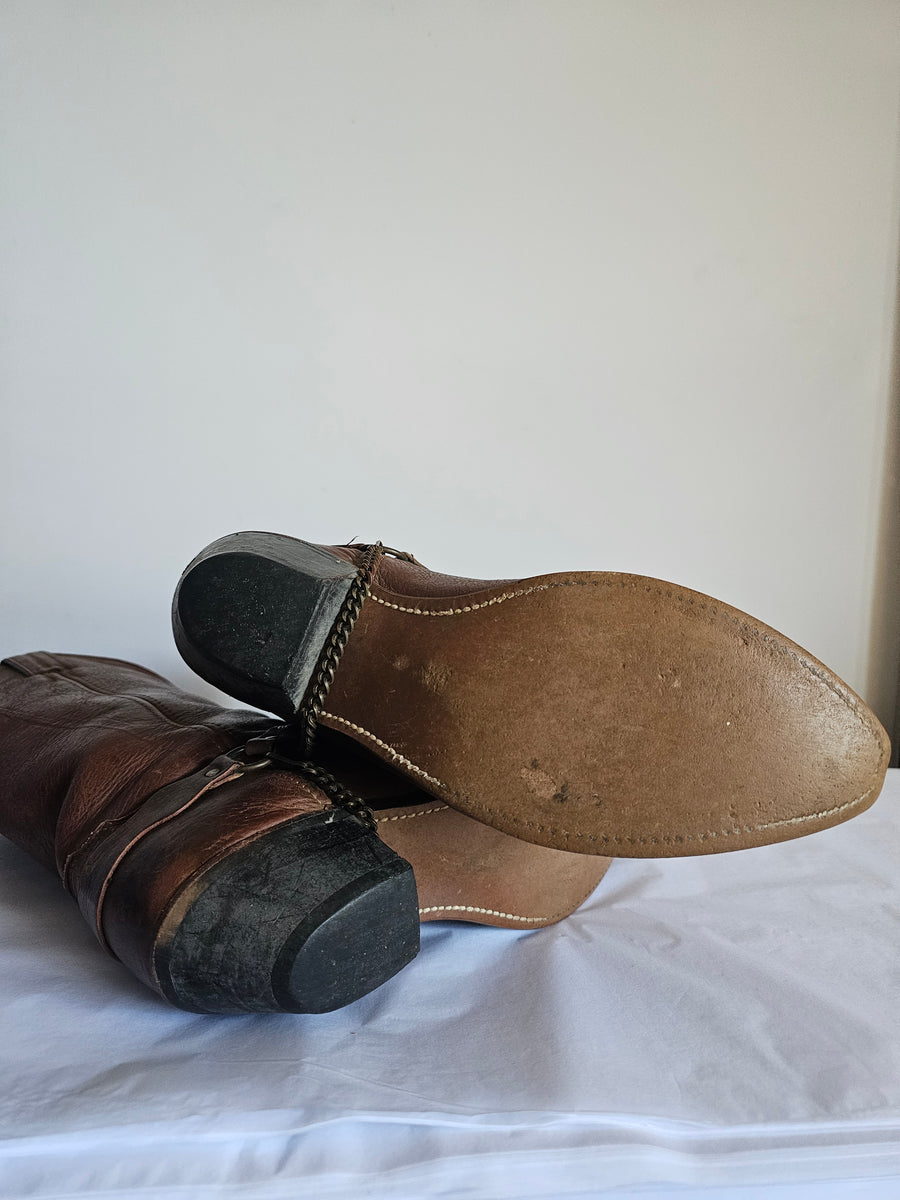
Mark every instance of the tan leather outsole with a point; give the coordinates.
(607, 714)
(468, 871)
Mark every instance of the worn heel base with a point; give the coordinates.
(309, 917)
(252, 613)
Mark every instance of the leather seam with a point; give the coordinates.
(422, 812)
(678, 839)
(396, 756)
(493, 912)
(490, 912)
(604, 839)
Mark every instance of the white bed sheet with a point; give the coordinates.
(726, 1026)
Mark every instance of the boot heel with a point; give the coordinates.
(253, 611)
(307, 918)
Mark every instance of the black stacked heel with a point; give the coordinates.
(253, 612)
(308, 917)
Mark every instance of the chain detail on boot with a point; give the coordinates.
(275, 750)
(337, 640)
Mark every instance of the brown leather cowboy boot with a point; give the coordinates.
(594, 712)
(225, 882)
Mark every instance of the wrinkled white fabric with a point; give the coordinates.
(726, 1026)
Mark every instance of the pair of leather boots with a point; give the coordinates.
(442, 748)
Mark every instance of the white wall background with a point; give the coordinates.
(519, 286)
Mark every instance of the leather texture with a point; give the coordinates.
(413, 579)
(465, 870)
(123, 785)
(602, 713)
(91, 749)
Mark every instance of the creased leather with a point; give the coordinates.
(412, 579)
(88, 750)
(105, 782)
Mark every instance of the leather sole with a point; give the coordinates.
(598, 712)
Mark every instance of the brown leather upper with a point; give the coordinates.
(108, 780)
(85, 740)
(89, 750)
(412, 578)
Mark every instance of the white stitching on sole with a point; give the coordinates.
(488, 912)
(673, 839)
(672, 593)
(422, 812)
(396, 756)
(774, 645)
(453, 612)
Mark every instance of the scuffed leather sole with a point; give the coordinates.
(602, 713)
(252, 612)
(608, 713)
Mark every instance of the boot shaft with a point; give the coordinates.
(84, 741)
(222, 882)
(186, 846)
